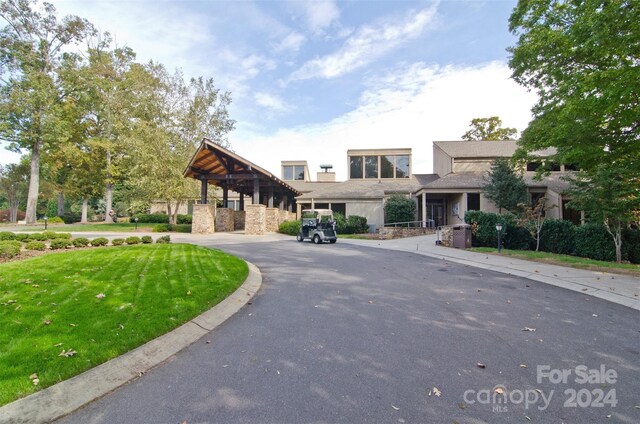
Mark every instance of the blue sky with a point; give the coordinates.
(311, 79)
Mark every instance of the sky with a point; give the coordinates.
(311, 79)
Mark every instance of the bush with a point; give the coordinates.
(631, 245)
(161, 228)
(132, 240)
(51, 235)
(163, 240)
(353, 225)
(22, 237)
(15, 243)
(290, 228)
(594, 242)
(399, 208)
(184, 219)
(9, 250)
(179, 228)
(71, 217)
(151, 218)
(558, 236)
(60, 244)
(38, 237)
(100, 241)
(80, 242)
(146, 239)
(117, 241)
(6, 235)
(56, 220)
(484, 230)
(36, 245)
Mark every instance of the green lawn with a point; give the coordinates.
(54, 302)
(119, 227)
(565, 260)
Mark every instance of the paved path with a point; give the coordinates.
(349, 333)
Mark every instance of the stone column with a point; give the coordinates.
(255, 220)
(224, 220)
(204, 217)
(238, 220)
(272, 220)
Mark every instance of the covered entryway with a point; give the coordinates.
(270, 200)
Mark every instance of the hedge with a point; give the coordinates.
(100, 241)
(631, 245)
(354, 224)
(146, 239)
(6, 235)
(60, 244)
(163, 240)
(558, 236)
(22, 237)
(71, 218)
(15, 243)
(290, 228)
(184, 219)
(117, 241)
(8, 250)
(80, 242)
(485, 234)
(151, 218)
(133, 240)
(179, 228)
(36, 245)
(38, 237)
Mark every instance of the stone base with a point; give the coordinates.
(446, 236)
(387, 233)
(238, 220)
(224, 220)
(272, 220)
(255, 220)
(204, 218)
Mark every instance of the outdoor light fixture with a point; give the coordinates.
(499, 229)
(45, 221)
(136, 221)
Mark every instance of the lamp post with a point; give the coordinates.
(45, 221)
(136, 221)
(499, 229)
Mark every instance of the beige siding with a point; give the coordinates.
(553, 206)
(441, 162)
(471, 165)
(456, 201)
(372, 210)
(487, 205)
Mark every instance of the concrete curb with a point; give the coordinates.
(65, 397)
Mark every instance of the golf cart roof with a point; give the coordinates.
(319, 211)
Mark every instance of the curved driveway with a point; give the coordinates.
(343, 333)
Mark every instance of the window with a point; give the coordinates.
(355, 166)
(402, 166)
(293, 172)
(371, 166)
(571, 167)
(533, 166)
(287, 173)
(387, 166)
(535, 197)
(473, 201)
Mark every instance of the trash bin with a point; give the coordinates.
(462, 236)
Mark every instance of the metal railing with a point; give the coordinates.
(430, 223)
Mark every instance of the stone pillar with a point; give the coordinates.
(272, 220)
(424, 210)
(255, 220)
(204, 217)
(224, 220)
(238, 220)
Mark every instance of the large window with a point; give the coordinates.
(293, 172)
(387, 166)
(355, 166)
(473, 201)
(371, 166)
(402, 167)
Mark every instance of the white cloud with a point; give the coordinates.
(6, 156)
(320, 14)
(408, 108)
(291, 42)
(366, 45)
(271, 102)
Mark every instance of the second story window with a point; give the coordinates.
(371, 166)
(293, 172)
(379, 166)
(355, 166)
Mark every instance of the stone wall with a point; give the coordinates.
(399, 232)
(255, 220)
(204, 218)
(224, 220)
(446, 236)
(238, 220)
(272, 220)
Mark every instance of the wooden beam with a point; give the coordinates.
(256, 191)
(203, 192)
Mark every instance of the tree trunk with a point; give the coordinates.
(85, 207)
(618, 241)
(108, 192)
(34, 185)
(174, 218)
(170, 214)
(13, 209)
(60, 203)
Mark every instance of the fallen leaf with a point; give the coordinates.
(189, 293)
(35, 381)
(67, 353)
(499, 390)
(371, 301)
(437, 391)
(101, 296)
(523, 366)
(462, 405)
(46, 322)
(528, 329)
(585, 289)
(528, 419)
(58, 344)
(479, 365)
(595, 315)
(395, 407)
(9, 302)
(539, 391)
(208, 342)
(508, 301)
(32, 376)
(73, 325)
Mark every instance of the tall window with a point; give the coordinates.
(402, 166)
(371, 166)
(387, 166)
(383, 166)
(293, 172)
(355, 166)
(473, 201)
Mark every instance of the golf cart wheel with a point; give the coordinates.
(299, 237)
(316, 239)
(333, 241)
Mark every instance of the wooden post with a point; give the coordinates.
(270, 201)
(203, 192)
(241, 202)
(225, 196)
(256, 190)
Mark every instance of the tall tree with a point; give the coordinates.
(13, 185)
(489, 129)
(581, 57)
(31, 46)
(504, 187)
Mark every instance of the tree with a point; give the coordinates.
(489, 129)
(581, 57)
(31, 47)
(592, 191)
(13, 185)
(504, 187)
(533, 218)
(399, 208)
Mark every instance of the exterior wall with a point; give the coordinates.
(373, 210)
(272, 220)
(224, 220)
(441, 162)
(554, 205)
(459, 199)
(471, 165)
(392, 233)
(238, 220)
(255, 220)
(326, 177)
(204, 218)
(487, 205)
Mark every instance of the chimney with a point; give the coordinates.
(325, 176)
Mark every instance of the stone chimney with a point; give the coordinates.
(326, 176)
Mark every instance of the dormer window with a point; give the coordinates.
(379, 166)
(293, 172)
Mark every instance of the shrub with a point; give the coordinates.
(36, 245)
(399, 208)
(60, 244)
(100, 241)
(290, 228)
(132, 240)
(6, 235)
(558, 236)
(37, 236)
(163, 240)
(71, 217)
(161, 228)
(358, 224)
(151, 218)
(631, 245)
(15, 243)
(184, 219)
(146, 239)
(66, 236)
(117, 241)
(80, 242)
(484, 230)
(9, 250)
(181, 228)
(22, 236)
(56, 220)
(594, 242)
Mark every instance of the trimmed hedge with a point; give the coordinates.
(100, 241)
(631, 245)
(117, 241)
(36, 245)
(9, 250)
(80, 242)
(485, 234)
(22, 237)
(151, 218)
(290, 228)
(7, 235)
(594, 242)
(60, 244)
(161, 228)
(146, 239)
(52, 235)
(133, 240)
(558, 236)
(184, 219)
(15, 243)
(354, 224)
(163, 240)
(38, 237)
(71, 218)
(179, 228)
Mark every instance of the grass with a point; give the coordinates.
(118, 227)
(51, 303)
(565, 260)
(359, 236)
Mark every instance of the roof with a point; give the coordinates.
(359, 189)
(220, 166)
(476, 180)
(484, 149)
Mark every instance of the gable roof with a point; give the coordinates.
(484, 149)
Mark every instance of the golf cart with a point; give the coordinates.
(317, 225)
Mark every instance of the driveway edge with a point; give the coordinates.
(65, 397)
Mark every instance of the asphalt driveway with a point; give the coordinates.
(344, 333)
